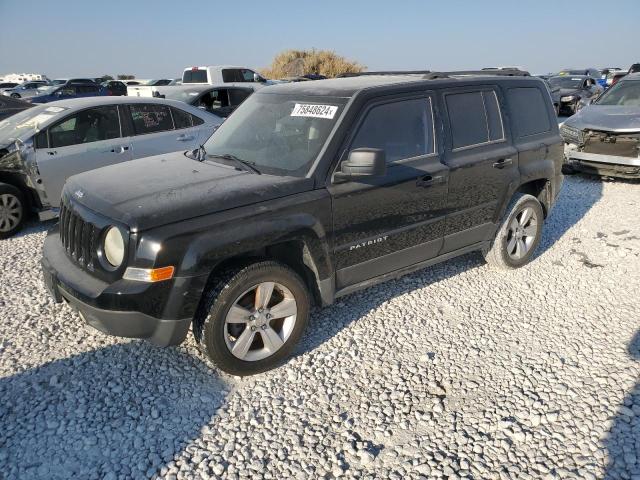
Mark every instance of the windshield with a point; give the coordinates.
(565, 82)
(280, 134)
(623, 94)
(27, 122)
(59, 82)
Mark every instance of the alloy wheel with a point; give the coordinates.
(10, 212)
(522, 233)
(260, 321)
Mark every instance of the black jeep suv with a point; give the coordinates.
(308, 192)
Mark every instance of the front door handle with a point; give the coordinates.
(429, 180)
(503, 162)
(185, 138)
(52, 152)
(120, 149)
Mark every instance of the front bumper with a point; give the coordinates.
(601, 164)
(159, 312)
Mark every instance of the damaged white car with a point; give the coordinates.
(604, 137)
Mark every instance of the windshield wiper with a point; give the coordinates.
(246, 165)
(199, 154)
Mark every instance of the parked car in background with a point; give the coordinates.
(571, 93)
(115, 87)
(7, 85)
(10, 106)
(635, 68)
(591, 72)
(220, 100)
(63, 81)
(67, 91)
(308, 192)
(214, 75)
(25, 90)
(604, 137)
(44, 145)
(160, 82)
(615, 77)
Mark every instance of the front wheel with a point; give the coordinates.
(12, 211)
(519, 234)
(252, 317)
(15, 95)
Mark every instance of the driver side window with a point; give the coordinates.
(403, 129)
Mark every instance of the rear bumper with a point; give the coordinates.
(159, 312)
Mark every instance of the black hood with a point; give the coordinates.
(556, 93)
(163, 189)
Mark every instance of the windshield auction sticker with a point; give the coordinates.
(315, 111)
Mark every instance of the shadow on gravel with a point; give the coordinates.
(579, 193)
(34, 226)
(120, 411)
(329, 321)
(623, 441)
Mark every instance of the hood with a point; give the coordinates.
(163, 189)
(608, 118)
(556, 93)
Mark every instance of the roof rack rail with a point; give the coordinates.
(471, 73)
(388, 72)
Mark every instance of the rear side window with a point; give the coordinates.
(194, 76)
(475, 118)
(403, 129)
(237, 96)
(181, 119)
(231, 75)
(86, 126)
(529, 111)
(196, 120)
(150, 118)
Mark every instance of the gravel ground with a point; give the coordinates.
(458, 371)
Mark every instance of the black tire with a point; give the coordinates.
(567, 169)
(501, 254)
(15, 95)
(234, 285)
(10, 198)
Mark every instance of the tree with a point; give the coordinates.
(106, 78)
(293, 63)
(126, 77)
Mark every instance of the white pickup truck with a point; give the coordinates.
(212, 75)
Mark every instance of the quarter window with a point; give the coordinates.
(403, 129)
(86, 126)
(150, 118)
(529, 110)
(475, 118)
(181, 119)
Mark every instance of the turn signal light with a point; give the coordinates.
(149, 274)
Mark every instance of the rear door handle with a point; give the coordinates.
(52, 152)
(185, 138)
(503, 162)
(119, 149)
(429, 180)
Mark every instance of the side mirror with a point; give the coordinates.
(258, 78)
(363, 162)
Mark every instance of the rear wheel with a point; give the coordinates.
(15, 95)
(252, 317)
(519, 234)
(12, 211)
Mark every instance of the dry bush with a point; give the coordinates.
(291, 63)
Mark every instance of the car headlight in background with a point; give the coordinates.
(569, 98)
(114, 247)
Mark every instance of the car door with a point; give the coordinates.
(385, 223)
(154, 132)
(482, 164)
(84, 140)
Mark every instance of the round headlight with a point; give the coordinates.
(114, 246)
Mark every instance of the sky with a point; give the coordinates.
(152, 39)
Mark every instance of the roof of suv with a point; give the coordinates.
(347, 87)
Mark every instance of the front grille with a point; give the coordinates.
(78, 236)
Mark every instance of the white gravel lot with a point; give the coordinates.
(458, 371)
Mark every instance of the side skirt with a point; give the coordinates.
(411, 268)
